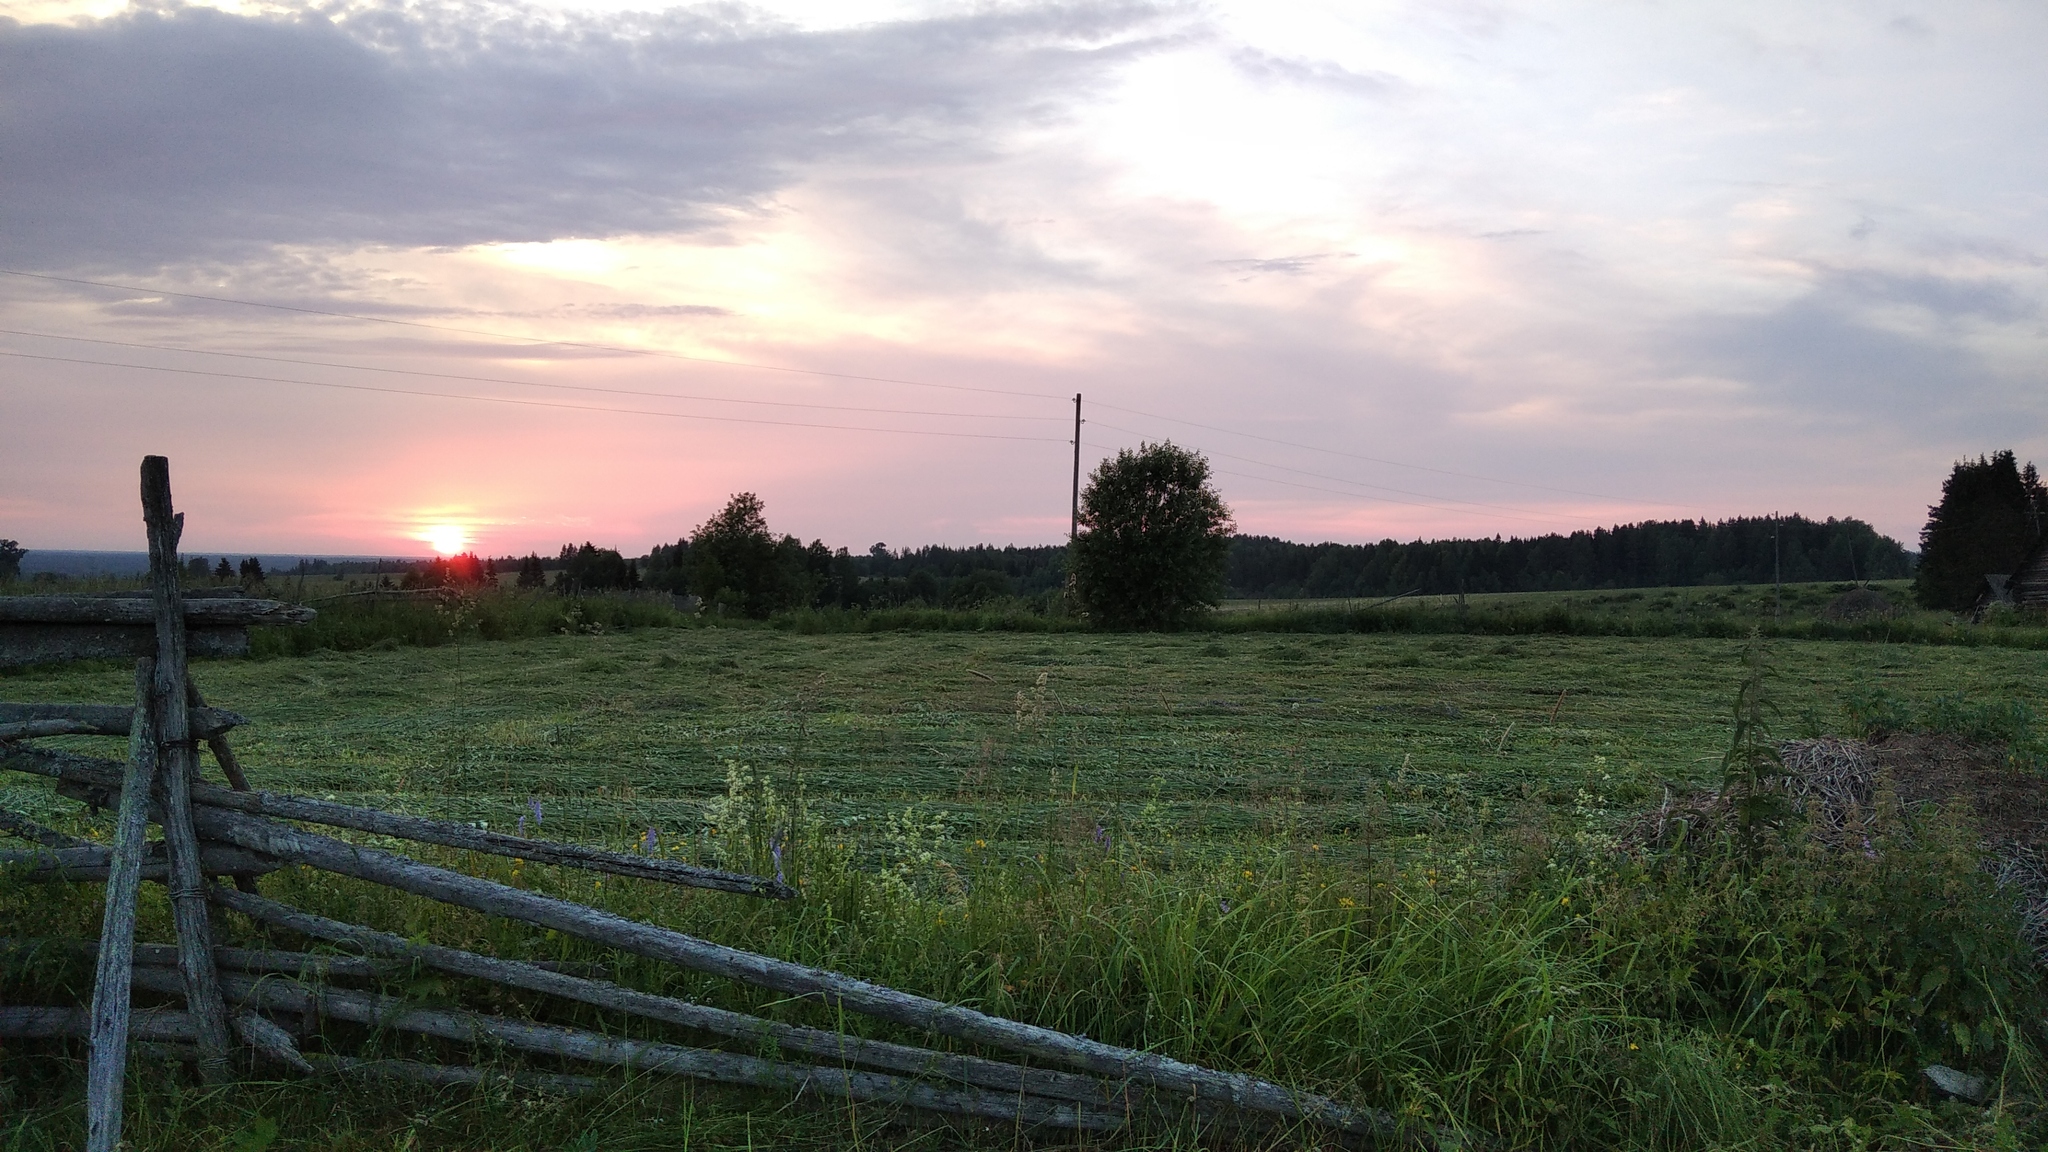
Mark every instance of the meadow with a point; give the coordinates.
(1380, 864)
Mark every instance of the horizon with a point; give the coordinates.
(267, 555)
(1401, 271)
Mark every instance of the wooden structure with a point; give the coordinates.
(2026, 587)
(230, 1016)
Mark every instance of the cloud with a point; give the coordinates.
(180, 134)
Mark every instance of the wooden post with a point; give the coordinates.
(177, 763)
(224, 756)
(107, 1066)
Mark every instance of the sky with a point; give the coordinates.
(381, 277)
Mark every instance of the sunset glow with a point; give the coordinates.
(447, 539)
(1400, 270)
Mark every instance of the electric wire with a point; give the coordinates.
(530, 403)
(1382, 460)
(589, 346)
(627, 350)
(521, 383)
(1345, 479)
(1488, 510)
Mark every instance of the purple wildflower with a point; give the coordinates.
(533, 805)
(650, 842)
(522, 825)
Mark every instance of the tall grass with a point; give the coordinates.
(1555, 996)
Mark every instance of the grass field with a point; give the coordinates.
(1224, 845)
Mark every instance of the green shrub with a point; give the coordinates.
(1842, 970)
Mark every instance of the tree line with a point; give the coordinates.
(1654, 553)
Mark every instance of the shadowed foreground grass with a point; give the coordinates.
(1380, 867)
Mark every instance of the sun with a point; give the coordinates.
(447, 539)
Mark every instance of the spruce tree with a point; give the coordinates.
(1990, 516)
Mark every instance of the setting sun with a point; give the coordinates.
(447, 539)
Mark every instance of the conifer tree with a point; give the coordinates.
(1990, 516)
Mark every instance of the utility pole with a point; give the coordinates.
(1777, 572)
(1074, 526)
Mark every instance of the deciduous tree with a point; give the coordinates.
(1154, 539)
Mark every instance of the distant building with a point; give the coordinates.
(2026, 587)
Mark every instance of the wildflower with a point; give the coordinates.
(651, 842)
(1247, 873)
(1632, 1048)
(533, 805)
(1566, 900)
(1225, 905)
(981, 843)
(1346, 902)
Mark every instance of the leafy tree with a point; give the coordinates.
(668, 568)
(531, 574)
(223, 571)
(594, 569)
(1991, 513)
(733, 561)
(10, 560)
(1154, 539)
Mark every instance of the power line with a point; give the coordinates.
(1347, 480)
(1489, 509)
(1391, 463)
(528, 403)
(618, 348)
(1379, 499)
(521, 383)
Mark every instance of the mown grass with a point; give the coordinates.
(1379, 865)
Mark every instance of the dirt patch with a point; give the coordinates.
(2011, 805)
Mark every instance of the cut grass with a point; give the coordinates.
(1334, 859)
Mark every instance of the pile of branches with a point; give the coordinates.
(1831, 783)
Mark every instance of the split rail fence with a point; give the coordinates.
(244, 1008)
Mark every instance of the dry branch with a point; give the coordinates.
(177, 765)
(32, 1023)
(738, 1025)
(107, 1065)
(110, 719)
(1200, 1084)
(15, 824)
(313, 965)
(140, 611)
(216, 740)
(96, 773)
(37, 729)
(91, 863)
(280, 995)
(25, 644)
